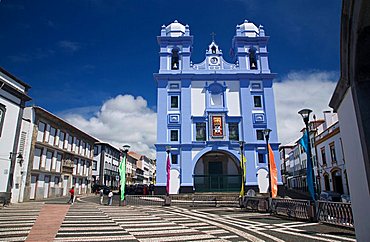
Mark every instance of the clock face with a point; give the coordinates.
(214, 60)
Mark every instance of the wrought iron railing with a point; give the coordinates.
(256, 204)
(217, 183)
(145, 200)
(291, 208)
(336, 213)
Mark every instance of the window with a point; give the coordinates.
(175, 59)
(40, 131)
(37, 158)
(323, 156)
(332, 153)
(59, 162)
(252, 58)
(174, 135)
(62, 136)
(261, 158)
(260, 135)
(53, 133)
(70, 141)
(233, 131)
(56, 181)
(257, 101)
(2, 117)
(213, 49)
(200, 131)
(94, 165)
(174, 101)
(174, 159)
(49, 156)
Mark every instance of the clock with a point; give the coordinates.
(214, 60)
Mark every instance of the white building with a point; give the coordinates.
(333, 173)
(57, 157)
(106, 164)
(13, 96)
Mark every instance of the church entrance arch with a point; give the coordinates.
(217, 171)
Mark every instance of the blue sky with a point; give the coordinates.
(77, 55)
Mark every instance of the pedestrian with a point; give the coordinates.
(101, 193)
(72, 192)
(151, 189)
(110, 198)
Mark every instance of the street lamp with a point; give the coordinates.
(19, 157)
(125, 149)
(241, 145)
(305, 113)
(266, 132)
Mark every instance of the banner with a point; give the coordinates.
(168, 169)
(122, 173)
(304, 141)
(273, 173)
(243, 160)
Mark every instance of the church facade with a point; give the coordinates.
(211, 112)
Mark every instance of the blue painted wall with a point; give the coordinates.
(214, 69)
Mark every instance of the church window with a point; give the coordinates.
(261, 158)
(260, 134)
(174, 133)
(234, 131)
(175, 59)
(213, 49)
(257, 101)
(2, 116)
(200, 131)
(252, 58)
(174, 101)
(174, 159)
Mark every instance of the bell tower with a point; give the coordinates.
(250, 48)
(175, 44)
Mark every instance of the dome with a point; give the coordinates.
(175, 29)
(248, 29)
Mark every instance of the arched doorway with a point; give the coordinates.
(217, 171)
(337, 181)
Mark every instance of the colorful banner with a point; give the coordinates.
(273, 173)
(122, 173)
(304, 141)
(168, 169)
(243, 160)
(217, 126)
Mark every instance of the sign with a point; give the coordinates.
(217, 126)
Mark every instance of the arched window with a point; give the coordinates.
(213, 49)
(175, 59)
(252, 58)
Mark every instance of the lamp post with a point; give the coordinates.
(318, 180)
(125, 149)
(266, 132)
(241, 145)
(305, 113)
(19, 157)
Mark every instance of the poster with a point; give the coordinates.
(217, 126)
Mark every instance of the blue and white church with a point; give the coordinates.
(211, 112)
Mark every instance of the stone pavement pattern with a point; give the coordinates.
(88, 221)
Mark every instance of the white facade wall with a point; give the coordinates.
(198, 99)
(233, 98)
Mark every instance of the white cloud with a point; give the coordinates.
(69, 46)
(299, 90)
(121, 120)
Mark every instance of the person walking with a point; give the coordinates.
(110, 198)
(101, 193)
(72, 192)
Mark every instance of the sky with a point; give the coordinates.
(92, 61)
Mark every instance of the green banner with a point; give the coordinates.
(122, 173)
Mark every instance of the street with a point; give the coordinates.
(86, 220)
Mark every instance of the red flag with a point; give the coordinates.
(273, 173)
(168, 169)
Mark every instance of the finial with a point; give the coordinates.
(175, 21)
(245, 21)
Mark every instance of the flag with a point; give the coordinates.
(168, 169)
(242, 166)
(122, 173)
(304, 141)
(273, 173)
